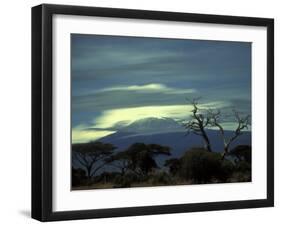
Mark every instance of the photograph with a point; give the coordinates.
(149, 111)
(141, 112)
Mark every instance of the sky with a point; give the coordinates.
(117, 80)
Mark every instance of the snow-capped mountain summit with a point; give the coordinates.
(153, 125)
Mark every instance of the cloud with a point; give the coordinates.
(115, 97)
(149, 88)
(110, 118)
(82, 135)
(114, 74)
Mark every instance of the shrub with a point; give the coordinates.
(160, 178)
(106, 177)
(242, 156)
(242, 153)
(124, 181)
(243, 167)
(78, 177)
(201, 166)
(226, 170)
(174, 165)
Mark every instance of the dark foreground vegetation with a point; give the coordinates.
(136, 167)
(101, 166)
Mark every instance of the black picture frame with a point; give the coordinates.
(42, 106)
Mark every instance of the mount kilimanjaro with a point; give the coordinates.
(167, 132)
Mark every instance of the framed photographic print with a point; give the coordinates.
(145, 112)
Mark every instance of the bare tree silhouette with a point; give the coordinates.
(242, 124)
(198, 123)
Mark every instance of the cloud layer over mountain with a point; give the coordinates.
(119, 80)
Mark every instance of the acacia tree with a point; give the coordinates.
(120, 160)
(139, 158)
(242, 124)
(92, 155)
(142, 156)
(198, 123)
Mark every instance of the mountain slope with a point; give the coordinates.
(178, 141)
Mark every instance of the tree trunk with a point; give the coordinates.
(122, 171)
(207, 141)
(89, 169)
(225, 152)
(209, 147)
